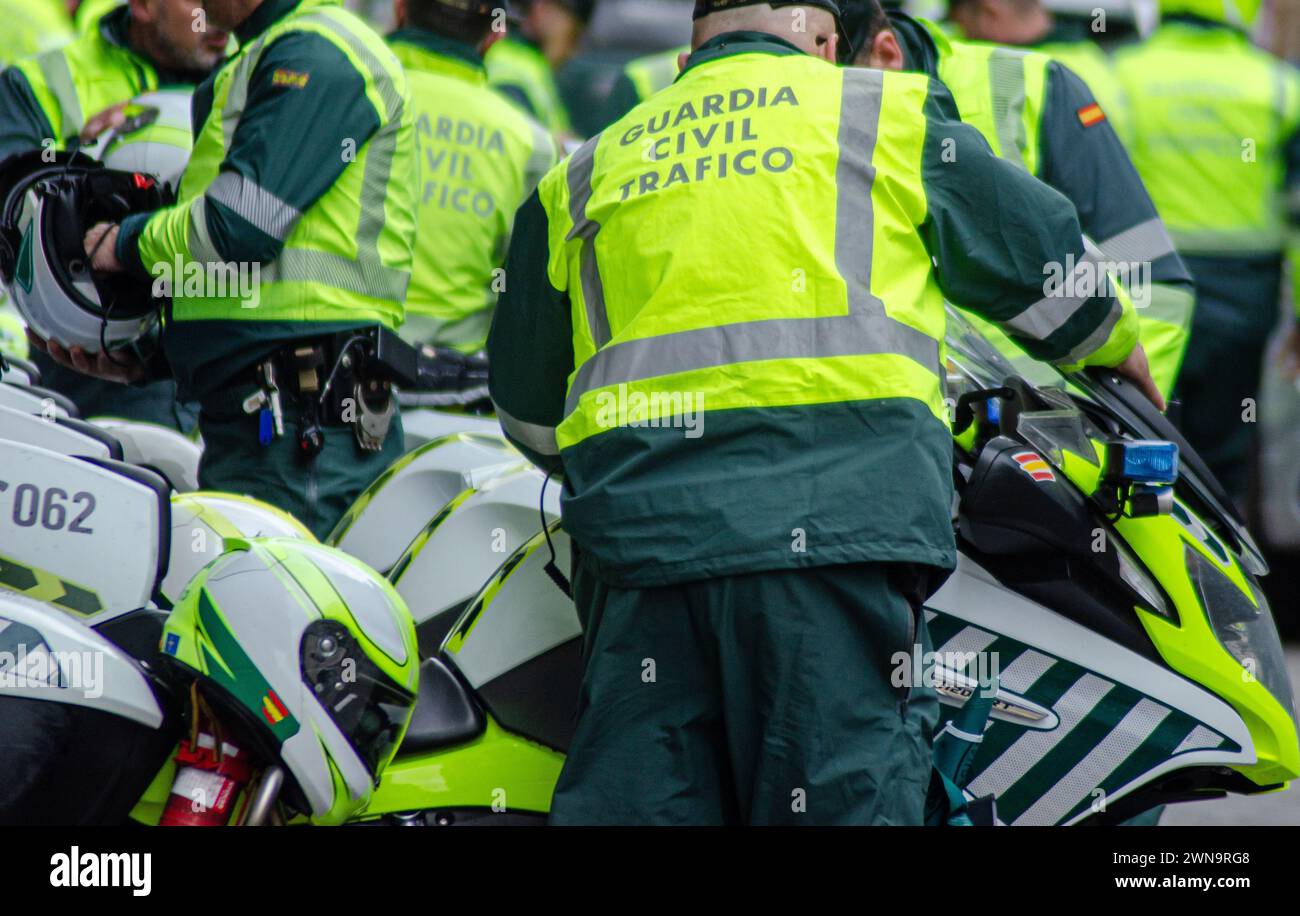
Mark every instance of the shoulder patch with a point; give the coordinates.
(1090, 114)
(293, 79)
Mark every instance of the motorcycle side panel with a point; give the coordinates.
(13, 373)
(388, 516)
(87, 537)
(47, 655)
(30, 399)
(165, 450)
(1080, 719)
(423, 425)
(458, 551)
(518, 645)
(56, 434)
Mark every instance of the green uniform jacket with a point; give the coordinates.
(306, 105)
(1069, 43)
(803, 480)
(1089, 165)
(479, 158)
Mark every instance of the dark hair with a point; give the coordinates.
(464, 20)
(863, 20)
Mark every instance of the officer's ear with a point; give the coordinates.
(142, 10)
(886, 54)
(399, 13)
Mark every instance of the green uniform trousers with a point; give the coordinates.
(316, 491)
(763, 698)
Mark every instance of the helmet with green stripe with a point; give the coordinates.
(155, 139)
(309, 656)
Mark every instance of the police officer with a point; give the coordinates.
(723, 325)
(46, 101)
(479, 156)
(301, 184)
(1062, 37)
(1216, 138)
(523, 65)
(1036, 113)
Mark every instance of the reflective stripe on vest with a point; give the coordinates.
(1007, 90)
(365, 274)
(1000, 92)
(54, 67)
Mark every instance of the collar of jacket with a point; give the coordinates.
(1198, 22)
(921, 48)
(729, 43)
(434, 53)
(115, 26)
(267, 15)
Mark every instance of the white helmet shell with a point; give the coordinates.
(160, 143)
(50, 280)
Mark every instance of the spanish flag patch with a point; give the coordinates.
(1033, 464)
(293, 79)
(1090, 114)
(272, 709)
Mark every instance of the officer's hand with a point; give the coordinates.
(108, 119)
(122, 367)
(101, 247)
(1136, 370)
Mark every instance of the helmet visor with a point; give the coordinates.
(368, 706)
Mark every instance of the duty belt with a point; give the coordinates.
(335, 381)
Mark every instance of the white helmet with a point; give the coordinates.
(45, 209)
(313, 652)
(47, 206)
(156, 138)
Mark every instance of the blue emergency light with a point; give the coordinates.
(1144, 461)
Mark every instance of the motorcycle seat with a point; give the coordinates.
(444, 714)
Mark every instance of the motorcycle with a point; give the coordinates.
(1112, 590)
(1106, 600)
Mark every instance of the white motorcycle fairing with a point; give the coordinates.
(87, 536)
